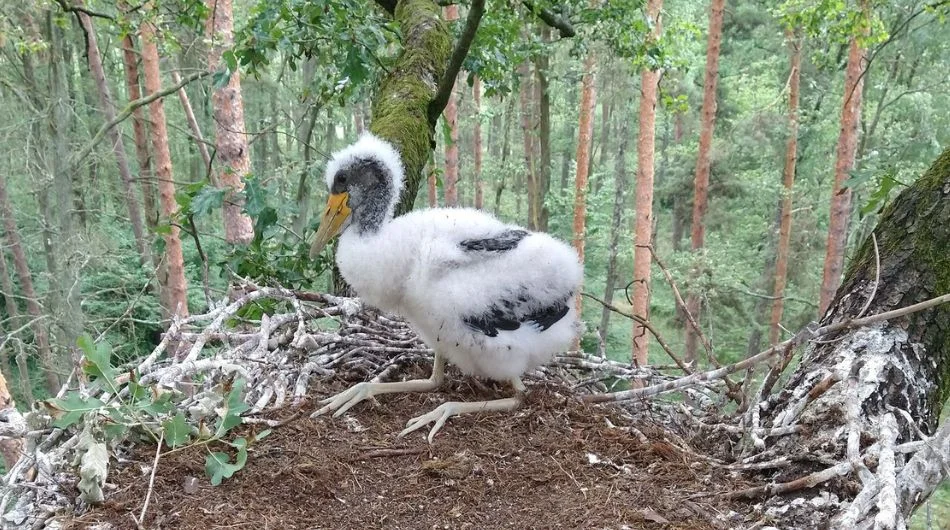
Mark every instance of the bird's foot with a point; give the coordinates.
(345, 400)
(440, 415)
(454, 408)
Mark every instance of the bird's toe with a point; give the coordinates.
(345, 400)
(440, 415)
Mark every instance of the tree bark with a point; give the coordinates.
(643, 238)
(140, 132)
(40, 334)
(840, 195)
(401, 107)
(701, 184)
(10, 448)
(505, 153)
(477, 141)
(232, 152)
(585, 131)
(118, 147)
(788, 182)
(175, 285)
(854, 387)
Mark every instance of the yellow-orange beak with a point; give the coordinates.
(333, 217)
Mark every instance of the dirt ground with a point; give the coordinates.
(553, 464)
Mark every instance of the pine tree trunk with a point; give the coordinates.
(505, 153)
(788, 182)
(643, 238)
(451, 115)
(38, 324)
(175, 285)
(585, 131)
(616, 228)
(118, 147)
(844, 164)
(199, 138)
(701, 187)
(232, 155)
(477, 141)
(304, 198)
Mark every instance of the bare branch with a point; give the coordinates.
(561, 24)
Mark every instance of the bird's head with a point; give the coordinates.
(365, 179)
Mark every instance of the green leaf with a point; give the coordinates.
(71, 408)
(255, 197)
(206, 200)
(218, 465)
(98, 360)
(234, 406)
(177, 431)
(263, 434)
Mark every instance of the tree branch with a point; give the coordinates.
(447, 83)
(126, 112)
(80, 9)
(561, 24)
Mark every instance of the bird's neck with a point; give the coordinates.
(375, 212)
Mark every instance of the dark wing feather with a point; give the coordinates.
(502, 242)
(507, 317)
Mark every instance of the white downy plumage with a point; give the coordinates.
(489, 297)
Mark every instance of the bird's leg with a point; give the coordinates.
(455, 408)
(360, 391)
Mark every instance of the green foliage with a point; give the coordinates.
(137, 410)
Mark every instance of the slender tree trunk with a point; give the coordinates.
(788, 181)
(542, 64)
(10, 448)
(585, 131)
(140, 132)
(477, 141)
(527, 131)
(616, 228)
(233, 154)
(176, 286)
(844, 164)
(451, 115)
(199, 138)
(40, 335)
(505, 153)
(649, 82)
(701, 190)
(358, 119)
(304, 198)
(118, 147)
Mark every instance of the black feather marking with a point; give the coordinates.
(502, 242)
(509, 319)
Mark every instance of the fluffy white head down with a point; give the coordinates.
(369, 146)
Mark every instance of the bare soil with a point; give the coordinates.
(528, 469)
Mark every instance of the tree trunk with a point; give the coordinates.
(585, 131)
(10, 448)
(140, 132)
(175, 285)
(232, 153)
(451, 176)
(505, 153)
(541, 66)
(477, 141)
(118, 147)
(859, 393)
(840, 195)
(701, 188)
(616, 228)
(40, 335)
(527, 135)
(199, 138)
(643, 238)
(788, 181)
(303, 198)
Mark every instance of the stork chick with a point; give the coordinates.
(491, 298)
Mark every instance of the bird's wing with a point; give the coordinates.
(510, 314)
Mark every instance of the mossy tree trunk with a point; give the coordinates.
(401, 106)
(856, 396)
